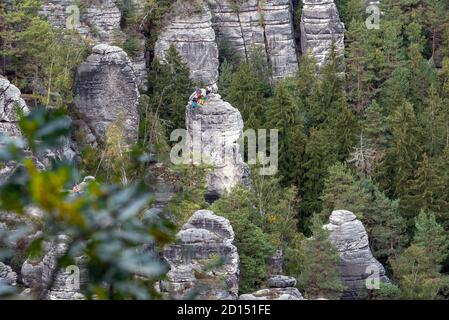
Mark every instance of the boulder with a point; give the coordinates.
(280, 281)
(350, 239)
(273, 294)
(189, 29)
(106, 89)
(7, 275)
(320, 27)
(213, 130)
(204, 264)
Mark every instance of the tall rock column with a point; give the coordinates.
(349, 237)
(213, 130)
(195, 268)
(279, 37)
(189, 29)
(267, 24)
(320, 27)
(106, 88)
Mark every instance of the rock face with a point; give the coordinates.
(264, 23)
(212, 134)
(349, 237)
(320, 27)
(7, 276)
(98, 20)
(67, 282)
(189, 29)
(10, 100)
(106, 89)
(281, 288)
(204, 264)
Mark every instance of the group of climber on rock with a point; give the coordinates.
(199, 97)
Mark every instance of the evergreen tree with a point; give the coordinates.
(252, 243)
(431, 237)
(402, 155)
(416, 274)
(283, 115)
(320, 154)
(426, 191)
(169, 87)
(383, 222)
(343, 192)
(319, 276)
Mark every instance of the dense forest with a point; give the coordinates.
(367, 132)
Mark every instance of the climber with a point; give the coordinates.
(198, 98)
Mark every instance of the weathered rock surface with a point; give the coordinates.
(212, 134)
(280, 288)
(273, 294)
(320, 28)
(7, 275)
(264, 23)
(10, 100)
(63, 283)
(189, 29)
(98, 20)
(31, 273)
(204, 264)
(106, 89)
(350, 238)
(280, 281)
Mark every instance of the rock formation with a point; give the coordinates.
(212, 134)
(63, 283)
(99, 20)
(280, 288)
(349, 237)
(320, 28)
(106, 89)
(264, 23)
(7, 276)
(204, 264)
(10, 100)
(189, 29)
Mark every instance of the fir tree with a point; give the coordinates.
(284, 116)
(319, 276)
(426, 191)
(343, 192)
(170, 87)
(431, 237)
(416, 274)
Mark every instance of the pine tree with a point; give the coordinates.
(320, 154)
(416, 274)
(426, 191)
(343, 192)
(434, 120)
(402, 155)
(431, 237)
(320, 276)
(170, 87)
(383, 222)
(283, 115)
